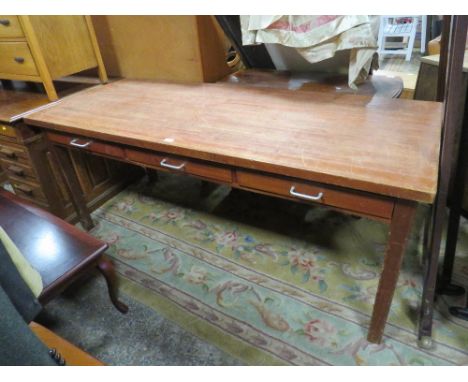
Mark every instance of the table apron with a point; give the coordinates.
(349, 201)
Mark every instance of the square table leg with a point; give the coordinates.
(400, 228)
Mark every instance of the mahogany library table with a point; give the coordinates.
(370, 156)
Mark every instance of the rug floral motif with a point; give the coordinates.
(293, 281)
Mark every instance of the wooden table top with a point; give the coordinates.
(21, 99)
(380, 145)
(53, 247)
(14, 103)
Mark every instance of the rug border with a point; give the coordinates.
(199, 328)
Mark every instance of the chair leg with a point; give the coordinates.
(423, 33)
(381, 38)
(106, 268)
(412, 37)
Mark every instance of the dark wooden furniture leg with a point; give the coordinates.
(106, 268)
(73, 185)
(453, 94)
(400, 228)
(445, 35)
(444, 284)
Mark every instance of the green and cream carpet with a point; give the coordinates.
(269, 281)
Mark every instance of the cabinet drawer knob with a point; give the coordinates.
(5, 22)
(299, 195)
(164, 163)
(19, 60)
(75, 142)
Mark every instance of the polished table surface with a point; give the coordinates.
(384, 146)
(56, 249)
(59, 251)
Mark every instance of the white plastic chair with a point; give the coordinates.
(389, 27)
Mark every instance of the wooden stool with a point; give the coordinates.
(59, 251)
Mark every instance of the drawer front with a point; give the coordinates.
(183, 165)
(28, 190)
(350, 201)
(14, 153)
(16, 170)
(88, 145)
(7, 131)
(16, 58)
(10, 27)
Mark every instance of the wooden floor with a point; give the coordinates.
(398, 63)
(407, 70)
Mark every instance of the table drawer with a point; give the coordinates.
(18, 170)
(28, 190)
(16, 58)
(14, 153)
(7, 131)
(178, 164)
(352, 201)
(10, 27)
(87, 144)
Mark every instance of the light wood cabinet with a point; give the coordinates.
(45, 48)
(172, 48)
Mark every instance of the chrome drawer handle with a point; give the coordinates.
(317, 197)
(19, 60)
(74, 142)
(5, 22)
(164, 163)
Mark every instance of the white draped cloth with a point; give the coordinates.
(318, 38)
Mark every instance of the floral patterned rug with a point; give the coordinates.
(272, 281)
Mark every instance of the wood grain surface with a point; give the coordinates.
(73, 355)
(379, 145)
(14, 103)
(168, 48)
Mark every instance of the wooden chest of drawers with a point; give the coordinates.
(28, 165)
(31, 171)
(45, 48)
